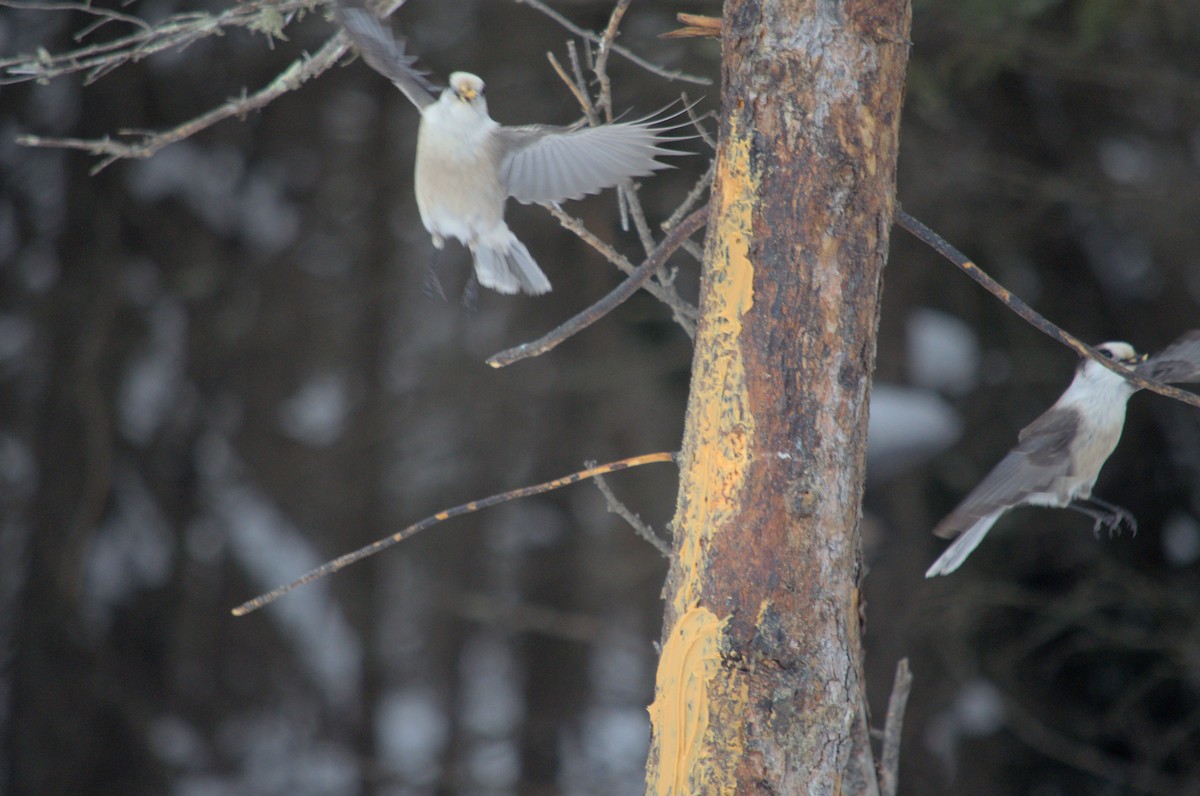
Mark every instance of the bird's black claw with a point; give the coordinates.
(431, 286)
(470, 294)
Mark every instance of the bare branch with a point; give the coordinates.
(300, 72)
(605, 47)
(615, 506)
(889, 753)
(623, 291)
(580, 97)
(330, 567)
(942, 247)
(669, 74)
(175, 32)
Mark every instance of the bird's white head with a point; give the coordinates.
(1093, 372)
(467, 89)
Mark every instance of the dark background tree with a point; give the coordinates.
(218, 369)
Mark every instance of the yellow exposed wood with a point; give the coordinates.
(689, 673)
(691, 677)
(721, 422)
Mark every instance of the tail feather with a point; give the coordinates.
(954, 555)
(508, 267)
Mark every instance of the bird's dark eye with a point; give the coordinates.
(1107, 353)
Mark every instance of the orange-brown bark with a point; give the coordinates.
(759, 685)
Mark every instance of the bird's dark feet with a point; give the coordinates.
(432, 286)
(470, 294)
(1118, 516)
(1125, 518)
(1107, 516)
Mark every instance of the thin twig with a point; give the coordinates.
(889, 753)
(685, 312)
(942, 247)
(580, 97)
(610, 302)
(330, 567)
(691, 112)
(300, 72)
(580, 84)
(605, 46)
(669, 74)
(175, 32)
(701, 185)
(615, 506)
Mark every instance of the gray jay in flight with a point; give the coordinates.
(468, 165)
(1059, 455)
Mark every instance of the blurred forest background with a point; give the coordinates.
(218, 368)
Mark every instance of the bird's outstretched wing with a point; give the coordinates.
(542, 164)
(1041, 456)
(384, 53)
(1177, 363)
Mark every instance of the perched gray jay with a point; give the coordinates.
(468, 165)
(1059, 455)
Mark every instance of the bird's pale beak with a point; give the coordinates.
(468, 94)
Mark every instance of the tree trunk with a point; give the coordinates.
(760, 685)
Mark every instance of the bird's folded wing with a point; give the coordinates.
(550, 164)
(1041, 457)
(1177, 363)
(384, 53)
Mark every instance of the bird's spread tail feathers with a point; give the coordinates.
(506, 266)
(954, 555)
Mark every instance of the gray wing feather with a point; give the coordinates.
(551, 164)
(1177, 363)
(1039, 458)
(385, 53)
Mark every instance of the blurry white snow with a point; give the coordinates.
(523, 525)
(1181, 540)
(131, 550)
(316, 414)
(278, 755)
(943, 352)
(273, 551)
(617, 737)
(491, 710)
(16, 336)
(412, 730)
(150, 388)
(216, 186)
(347, 117)
(18, 468)
(977, 711)
(907, 427)
(39, 267)
(606, 751)
(177, 742)
(1124, 263)
(493, 700)
(493, 765)
(10, 232)
(1127, 161)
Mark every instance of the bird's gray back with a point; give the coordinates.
(1033, 469)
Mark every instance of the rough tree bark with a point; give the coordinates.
(760, 684)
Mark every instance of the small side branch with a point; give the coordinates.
(942, 247)
(623, 291)
(889, 753)
(669, 74)
(643, 530)
(330, 567)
